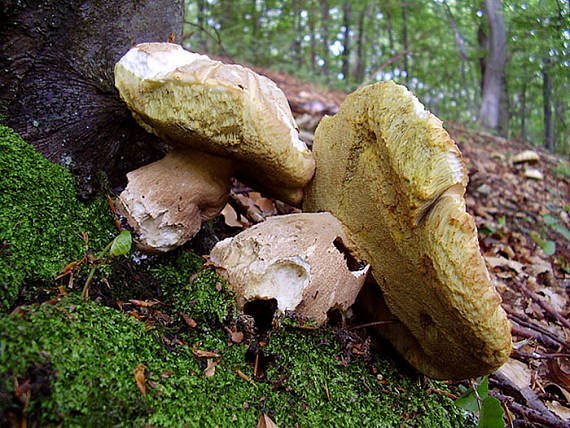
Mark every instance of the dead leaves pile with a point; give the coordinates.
(520, 206)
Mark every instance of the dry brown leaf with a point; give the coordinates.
(202, 354)
(503, 262)
(517, 372)
(210, 369)
(231, 217)
(139, 378)
(189, 321)
(561, 411)
(265, 422)
(236, 336)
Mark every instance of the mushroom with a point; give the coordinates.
(301, 260)
(391, 174)
(239, 118)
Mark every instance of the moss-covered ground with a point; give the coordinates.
(69, 362)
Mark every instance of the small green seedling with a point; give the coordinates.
(548, 246)
(478, 400)
(119, 246)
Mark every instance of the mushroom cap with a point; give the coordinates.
(167, 201)
(390, 172)
(301, 260)
(189, 100)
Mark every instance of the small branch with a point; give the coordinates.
(541, 356)
(526, 322)
(217, 39)
(374, 323)
(533, 415)
(541, 338)
(547, 307)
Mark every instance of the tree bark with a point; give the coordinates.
(298, 34)
(462, 55)
(405, 42)
(56, 86)
(325, 35)
(202, 39)
(523, 112)
(312, 16)
(346, 18)
(495, 66)
(547, 102)
(361, 45)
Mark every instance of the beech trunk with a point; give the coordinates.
(57, 88)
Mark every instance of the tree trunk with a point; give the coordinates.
(547, 101)
(298, 53)
(405, 41)
(462, 55)
(202, 38)
(495, 66)
(361, 45)
(325, 35)
(523, 112)
(312, 16)
(346, 18)
(57, 59)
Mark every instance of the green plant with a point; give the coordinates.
(119, 246)
(478, 400)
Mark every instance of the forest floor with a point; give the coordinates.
(174, 332)
(519, 197)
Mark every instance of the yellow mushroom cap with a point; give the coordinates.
(189, 100)
(390, 172)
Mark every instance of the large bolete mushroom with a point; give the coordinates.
(200, 105)
(302, 261)
(390, 172)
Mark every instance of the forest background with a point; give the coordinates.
(442, 50)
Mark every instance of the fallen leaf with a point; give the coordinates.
(143, 303)
(189, 321)
(236, 336)
(517, 372)
(265, 422)
(201, 354)
(503, 262)
(561, 411)
(231, 217)
(139, 378)
(210, 369)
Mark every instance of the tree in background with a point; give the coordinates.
(504, 59)
(494, 70)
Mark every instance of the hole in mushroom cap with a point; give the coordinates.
(262, 311)
(352, 262)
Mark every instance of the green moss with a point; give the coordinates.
(77, 358)
(90, 351)
(41, 219)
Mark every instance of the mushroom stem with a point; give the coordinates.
(166, 201)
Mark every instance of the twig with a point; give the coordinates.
(372, 324)
(217, 39)
(541, 356)
(533, 415)
(525, 322)
(543, 339)
(547, 307)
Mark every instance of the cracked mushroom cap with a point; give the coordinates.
(301, 260)
(390, 172)
(189, 100)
